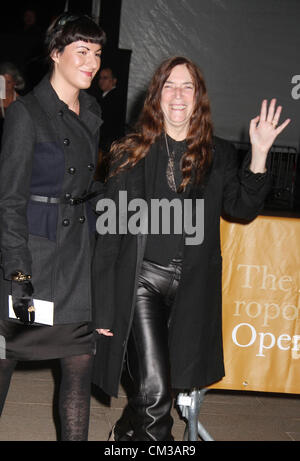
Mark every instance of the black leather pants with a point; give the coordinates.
(147, 415)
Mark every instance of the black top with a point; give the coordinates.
(167, 244)
(113, 110)
(1, 127)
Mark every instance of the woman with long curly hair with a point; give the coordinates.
(158, 294)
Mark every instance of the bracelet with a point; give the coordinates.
(20, 277)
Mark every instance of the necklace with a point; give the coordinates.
(170, 167)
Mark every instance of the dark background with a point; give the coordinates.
(26, 50)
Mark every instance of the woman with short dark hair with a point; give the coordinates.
(159, 293)
(47, 165)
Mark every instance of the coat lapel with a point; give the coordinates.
(143, 188)
(90, 111)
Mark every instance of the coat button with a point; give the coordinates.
(60, 113)
(81, 219)
(91, 166)
(66, 222)
(66, 141)
(72, 170)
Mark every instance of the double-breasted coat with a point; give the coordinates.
(49, 151)
(195, 328)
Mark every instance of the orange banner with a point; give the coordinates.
(261, 305)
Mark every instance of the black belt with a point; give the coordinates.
(69, 201)
(41, 198)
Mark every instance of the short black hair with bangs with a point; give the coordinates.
(69, 28)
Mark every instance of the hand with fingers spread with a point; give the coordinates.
(263, 132)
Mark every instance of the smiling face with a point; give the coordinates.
(177, 102)
(77, 64)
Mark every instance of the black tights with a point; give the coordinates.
(74, 394)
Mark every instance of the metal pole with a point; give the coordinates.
(2, 93)
(190, 408)
(193, 414)
(96, 5)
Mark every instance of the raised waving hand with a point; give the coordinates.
(263, 131)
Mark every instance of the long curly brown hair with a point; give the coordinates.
(151, 125)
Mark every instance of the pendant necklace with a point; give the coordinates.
(170, 167)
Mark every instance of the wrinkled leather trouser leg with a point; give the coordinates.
(147, 416)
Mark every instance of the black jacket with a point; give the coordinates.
(48, 150)
(195, 333)
(113, 115)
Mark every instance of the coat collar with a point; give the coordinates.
(90, 111)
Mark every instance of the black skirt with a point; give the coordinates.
(43, 342)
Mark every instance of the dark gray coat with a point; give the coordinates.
(48, 150)
(195, 333)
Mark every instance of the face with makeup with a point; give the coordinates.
(77, 64)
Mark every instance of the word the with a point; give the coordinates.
(259, 276)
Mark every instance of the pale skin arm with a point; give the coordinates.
(263, 131)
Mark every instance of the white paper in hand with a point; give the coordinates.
(44, 311)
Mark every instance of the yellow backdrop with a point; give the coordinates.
(261, 306)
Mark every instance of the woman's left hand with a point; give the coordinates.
(263, 132)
